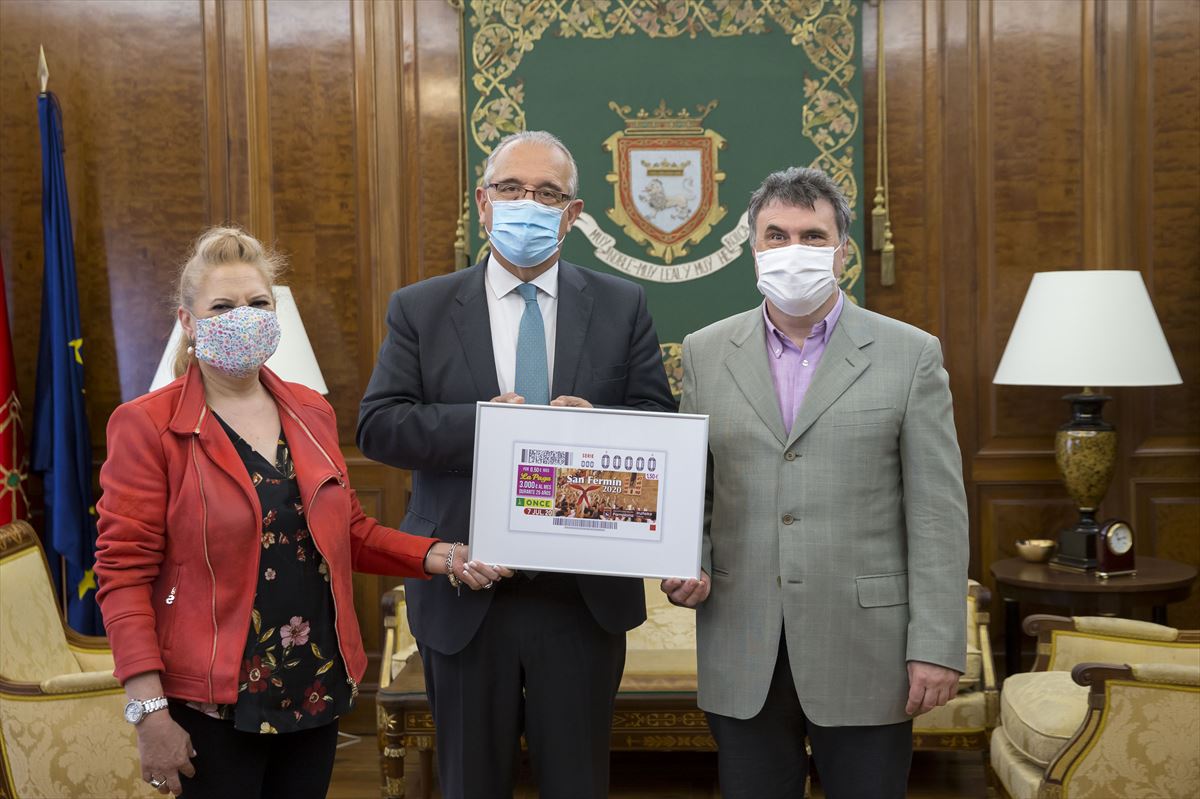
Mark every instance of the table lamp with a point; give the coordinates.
(1087, 328)
(293, 360)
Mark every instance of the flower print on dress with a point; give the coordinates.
(323, 569)
(255, 674)
(301, 554)
(294, 633)
(268, 538)
(270, 518)
(315, 698)
(269, 574)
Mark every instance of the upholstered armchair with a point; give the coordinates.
(1111, 709)
(966, 722)
(61, 730)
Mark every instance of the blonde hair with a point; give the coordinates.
(220, 246)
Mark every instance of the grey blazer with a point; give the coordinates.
(850, 535)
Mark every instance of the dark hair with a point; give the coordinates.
(801, 186)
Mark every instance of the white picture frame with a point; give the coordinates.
(545, 494)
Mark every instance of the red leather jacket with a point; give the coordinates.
(181, 527)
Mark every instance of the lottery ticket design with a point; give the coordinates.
(593, 491)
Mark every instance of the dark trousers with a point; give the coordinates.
(231, 763)
(539, 665)
(764, 757)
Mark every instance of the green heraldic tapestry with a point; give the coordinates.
(675, 111)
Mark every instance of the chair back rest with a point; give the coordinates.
(1069, 648)
(667, 626)
(33, 644)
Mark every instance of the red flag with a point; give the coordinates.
(14, 465)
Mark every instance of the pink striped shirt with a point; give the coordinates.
(792, 367)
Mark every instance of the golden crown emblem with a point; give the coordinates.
(662, 120)
(665, 168)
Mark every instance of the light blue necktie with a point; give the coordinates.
(533, 378)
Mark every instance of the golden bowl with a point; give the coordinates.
(1035, 550)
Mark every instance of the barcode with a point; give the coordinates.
(547, 457)
(585, 524)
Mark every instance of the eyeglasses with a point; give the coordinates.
(515, 191)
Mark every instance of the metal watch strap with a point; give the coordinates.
(151, 705)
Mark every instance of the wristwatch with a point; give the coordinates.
(138, 709)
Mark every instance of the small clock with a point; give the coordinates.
(1114, 550)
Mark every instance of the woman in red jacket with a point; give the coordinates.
(228, 533)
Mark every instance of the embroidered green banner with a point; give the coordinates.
(675, 111)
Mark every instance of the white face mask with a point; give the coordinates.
(796, 279)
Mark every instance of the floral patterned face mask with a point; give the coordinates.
(237, 342)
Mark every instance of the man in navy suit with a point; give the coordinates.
(538, 654)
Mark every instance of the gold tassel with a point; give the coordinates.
(887, 260)
(460, 233)
(878, 219)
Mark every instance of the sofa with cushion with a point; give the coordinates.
(1111, 709)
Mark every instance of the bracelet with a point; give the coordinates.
(455, 583)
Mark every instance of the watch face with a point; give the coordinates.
(1119, 539)
(133, 712)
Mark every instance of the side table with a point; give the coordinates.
(1158, 582)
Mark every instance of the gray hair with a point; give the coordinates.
(534, 137)
(801, 186)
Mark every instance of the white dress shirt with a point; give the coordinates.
(505, 307)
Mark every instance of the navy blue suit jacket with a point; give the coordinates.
(419, 414)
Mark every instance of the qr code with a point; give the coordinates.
(546, 457)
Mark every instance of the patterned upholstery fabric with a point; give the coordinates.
(1040, 711)
(77, 747)
(61, 729)
(1124, 628)
(666, 627)
(1169, 673)
(35, 646)
(1020, 776)
(965, 712)
(1148, 748)
(1073, 648)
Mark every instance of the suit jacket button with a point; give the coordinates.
(789, 455)
(788, 518)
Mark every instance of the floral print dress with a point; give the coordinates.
(292, 675)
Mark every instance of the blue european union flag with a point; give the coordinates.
(62, 449)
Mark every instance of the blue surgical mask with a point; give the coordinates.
(525, 232)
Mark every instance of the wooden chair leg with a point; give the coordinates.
(391, 750)
(993, 788)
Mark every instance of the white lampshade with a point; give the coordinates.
(1087, 328)
(294, 360)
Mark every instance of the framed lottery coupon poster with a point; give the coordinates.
(591, 491)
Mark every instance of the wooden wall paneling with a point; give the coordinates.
(1166, 515)
(1032, 212)
(437, 148)
(310, 99)
(906, 49)
(130, 77)
(1009, 512)
(216, 121)
(1171, 254)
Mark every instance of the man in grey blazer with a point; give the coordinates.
(832, 598)
(537, 654)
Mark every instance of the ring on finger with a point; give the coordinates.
(490, 583)
(157, 782)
